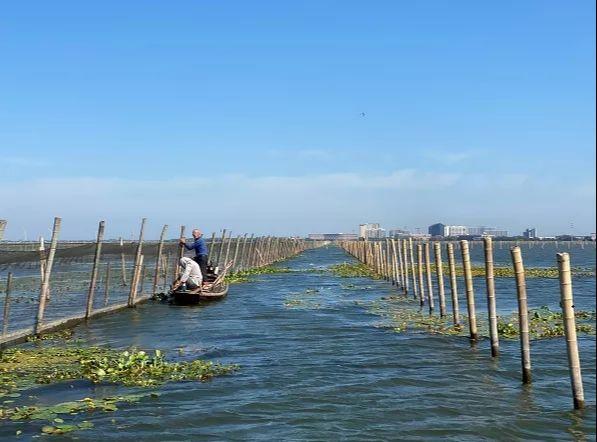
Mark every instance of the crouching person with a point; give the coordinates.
(190, 274)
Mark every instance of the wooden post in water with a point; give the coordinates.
(523, 314)
(45, 284)
(412, 266)
(227, 250)
(491, 303)
(567, 304)
(439, 271)
(95, 268)
(142, 279)
(221, 248)
(429, 282)
(2, 228)
(181, 249)
(137, 268)
(420, 272)
(453, 283)
(236, 251)
(158, 260)
(404, 259)
(122, 263)
(470, 292)
(6, 313)
(107, 284)
(211, 248)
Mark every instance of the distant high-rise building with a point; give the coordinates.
(486, 231)
(530, 233)
(438, 229)
(455, 230)
(371, 230)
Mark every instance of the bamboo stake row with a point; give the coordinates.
(381, 257)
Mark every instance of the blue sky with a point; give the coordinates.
(247, 115)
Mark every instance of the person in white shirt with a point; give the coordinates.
(190, 275)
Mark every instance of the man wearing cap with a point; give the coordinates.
(200, 247)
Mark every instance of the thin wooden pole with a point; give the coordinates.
(429, 281)
(158, 260)
(3, 223)
(470, 292)
(420, 272)
(221, 248)
(180, 253)
(439, 272)
(236, 251)
(95, 268)
(567, 304)
(6, 313)
(142, 279)
(122, 263)
(133, 291)
(404, 259)
(107, 284)
(211, 248)
(412, 266)
(491, 302)
(453, 283)
(523, 314)
(45, 285)
(227, 250)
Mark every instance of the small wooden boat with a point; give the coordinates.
(186, 297)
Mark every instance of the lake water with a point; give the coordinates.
(324, 369)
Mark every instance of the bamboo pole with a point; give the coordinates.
(122, 263)
(227, 249)
(3, 223)
(420, 272)
(45, 285)
(491, 302)
(221, 248)
(439, 272)
(470, 292)
(133, 291)
(180, 253)
(567, 304)
(453, 283)
(523, 314)
(142, 279)
(404, 259)
(395, 278)
(429, 281)
(158, 260)
(6, 313)
(412, 266)
(107, 284)
(211, 247)
(95, 268)
(236, 252)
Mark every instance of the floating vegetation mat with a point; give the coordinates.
(347, 270)
(23, 368)
(351, 270)
(245, 275)
(403, 314)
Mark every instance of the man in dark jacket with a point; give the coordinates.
(200, 247)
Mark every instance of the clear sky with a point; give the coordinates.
(249, 115)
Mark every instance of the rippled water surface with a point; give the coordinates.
(326, 370)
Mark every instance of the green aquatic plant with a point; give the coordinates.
(350, 270)
(245, 275)
(22, 368)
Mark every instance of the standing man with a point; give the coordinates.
(200, 248)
